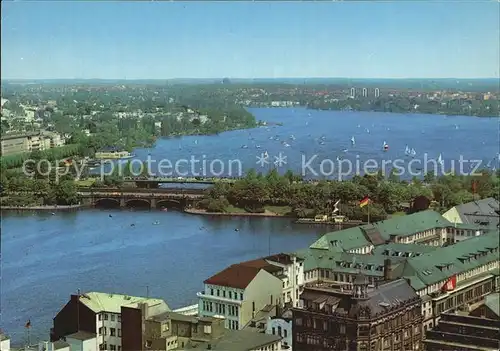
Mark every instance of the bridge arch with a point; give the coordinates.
(107, 203)
(174, 204)
(138, 203)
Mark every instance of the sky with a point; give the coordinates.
(164, 40)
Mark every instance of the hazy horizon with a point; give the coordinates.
(249, 40)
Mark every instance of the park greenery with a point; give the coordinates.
(388, 194)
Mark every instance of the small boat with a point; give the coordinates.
(244, 147)
(322, 143)
(196, 142)
(385, 146)
(440, 160)
(156, 222)
(292, 137)
(407, 151)
(257, 146)
(286, 145)
(345, 150)
(368, 130)
(353, 141)
(413, 153)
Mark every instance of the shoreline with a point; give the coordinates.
(41, 208)
(233, 214)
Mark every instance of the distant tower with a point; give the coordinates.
(353, 92)
(365, 92)
(377, 92)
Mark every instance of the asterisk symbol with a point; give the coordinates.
(280, 160)
(263, 159)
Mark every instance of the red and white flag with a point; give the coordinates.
(450, 284)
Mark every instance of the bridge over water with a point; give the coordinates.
(138, 197)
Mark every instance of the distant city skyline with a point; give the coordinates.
(168, 40)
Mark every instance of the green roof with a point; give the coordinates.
(411, 224)
(441, 264)
(348, 239)
(407, 250)
(342, 262)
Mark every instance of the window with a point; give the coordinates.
(120, 332)
(207, 329)
(279, 331)
(112, 347)
(241, 296)
(218, 292)
(100, 316)
(274, 331)
(112, 319)
(103, 346)
(102, 331)
(230, 294)
(119, 348)
(119, 319)
(105, 316)
(223, 293)
(112, 331)
(211, 291)
(285, 333)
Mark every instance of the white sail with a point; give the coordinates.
(440, 159)
(353, 141)
(413, 152)
(336, 208)
(407, 150)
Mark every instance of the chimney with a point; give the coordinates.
(387, 269)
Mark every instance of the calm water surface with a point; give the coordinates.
(46, 258)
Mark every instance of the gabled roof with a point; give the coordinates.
(104, 302)
(411, 224)
(479, 212)
(441, 264)
(348, 239)
(235, 276)
(262, 264)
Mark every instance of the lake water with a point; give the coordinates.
(46, 258)
(314, 137)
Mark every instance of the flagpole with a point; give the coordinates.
(368, 211)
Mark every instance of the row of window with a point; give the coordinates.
(231, 294)
(112, 331)
(220, 308)
(111, 347)
(110, 316)
(233, 325)
(280, 333)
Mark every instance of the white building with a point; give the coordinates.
(281, 326)
(4, 339)
(238, 292)
(54, 346)
(100, 312)
(292, 277)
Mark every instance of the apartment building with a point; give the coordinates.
(240, 291)
(146, 330)
(29, 142)
(384, 317)
(100, 314)
(454, 277)
(282, 326)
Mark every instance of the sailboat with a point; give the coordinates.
(385, 146)
(413, 153)
(353, 141)
(440, 160)
(407, 151)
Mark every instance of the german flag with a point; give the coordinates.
(28, 324)
(364, 202)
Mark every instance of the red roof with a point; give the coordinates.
(235, 276)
